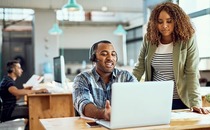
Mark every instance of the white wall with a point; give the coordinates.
(47, 46)
(86, 36)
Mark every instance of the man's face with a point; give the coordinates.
(106, 57)
(17, 70)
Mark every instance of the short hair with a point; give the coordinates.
(92, 52)
(11, 64)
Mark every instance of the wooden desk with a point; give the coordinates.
(205, 103)
(204, 92)
(189, 121)
(43, 106)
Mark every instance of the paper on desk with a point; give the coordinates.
(185, 114)
(33, 81)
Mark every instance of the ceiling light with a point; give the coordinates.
(55, 30)
(120, 30)
(104, 8)
(72, 6)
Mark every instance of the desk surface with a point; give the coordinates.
(48, 94)
(181, 119)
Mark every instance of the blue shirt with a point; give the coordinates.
(88, 87)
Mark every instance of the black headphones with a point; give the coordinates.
(92, 52)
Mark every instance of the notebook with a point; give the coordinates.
(137, 104)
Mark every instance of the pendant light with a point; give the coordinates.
(120, 30)
(72, 6)
(55, 30)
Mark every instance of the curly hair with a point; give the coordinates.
(183, 29)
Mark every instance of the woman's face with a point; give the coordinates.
(165, 24)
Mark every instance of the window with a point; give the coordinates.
(200, 16)
(133, 44)
(202, 26)
(16, 14)
(190, 7)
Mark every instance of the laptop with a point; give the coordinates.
(136, 104)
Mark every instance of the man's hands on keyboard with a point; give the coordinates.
(42, 91)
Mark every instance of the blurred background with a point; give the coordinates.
(35, 31)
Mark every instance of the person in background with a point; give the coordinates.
(92, 88)
(9, 94)
(169, 52)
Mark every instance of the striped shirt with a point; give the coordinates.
(162, 64)
(88, 87)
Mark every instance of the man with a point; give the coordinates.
(92, 88)
(10, 93)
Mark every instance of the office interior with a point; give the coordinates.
(97, 22)
(25, 36)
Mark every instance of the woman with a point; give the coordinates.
(169, 52)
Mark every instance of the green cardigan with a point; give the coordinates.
(185, 67)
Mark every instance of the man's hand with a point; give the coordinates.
(200, 110)
(43, 90)
(107, 112)
(93, 111)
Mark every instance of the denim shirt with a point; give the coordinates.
(88, 87)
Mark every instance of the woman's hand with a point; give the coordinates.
(200, 110)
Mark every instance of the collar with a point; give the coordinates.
(97, 76)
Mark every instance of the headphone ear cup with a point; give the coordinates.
(91, 54)
(93, 57)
